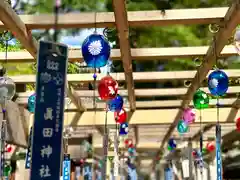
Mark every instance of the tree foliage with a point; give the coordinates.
(164, 36)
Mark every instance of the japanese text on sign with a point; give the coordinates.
(48, 124)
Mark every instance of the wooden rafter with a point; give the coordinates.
(233, 135)
(139, 117)
(139, 104)
(75, 100)
(230, 22)
(227, 18)
(234, 111)
(12, 21)
(137, 76)
(135, 18)
(230, 118)
(146, 92)
(138, 54)
(121, 18)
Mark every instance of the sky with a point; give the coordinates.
(72, 41)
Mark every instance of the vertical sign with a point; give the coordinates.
(218, 152)
(66, 168)
(28, 152)
(49, 111)
(168, 174)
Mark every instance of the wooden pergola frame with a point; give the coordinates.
(81, 114)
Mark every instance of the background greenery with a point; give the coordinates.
(167, 36)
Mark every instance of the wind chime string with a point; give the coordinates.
(95, 108)
(200, 112)
(56, 12)
(199, 159)
(216, 68)
(4, 121)
(218, 126)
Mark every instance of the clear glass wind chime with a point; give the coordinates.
(7, 91)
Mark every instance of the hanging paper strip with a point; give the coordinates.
(66, 168)
(3, 144)
(105, 153)
(29, 151)
(132, 173)
(116, 158)
(169, 174)
(218, 152)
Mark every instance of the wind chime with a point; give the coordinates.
(7, 91)
(96, 52)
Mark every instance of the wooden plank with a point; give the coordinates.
(13, 23)
(22, 100)
(146, 92)
(135, 18)
(137, 76)
(144, 117)
(231, 20)
(230, 118)
(139, 54)
(16, 120)
(121, 19)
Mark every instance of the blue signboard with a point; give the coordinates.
(168, 174)
(49, 111)
(66, 168)
(218, 152)
(28, 152)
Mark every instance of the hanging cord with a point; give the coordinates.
(67, 130)
(95, 17)
(6, 36)
(216, 68)
(198, 64)
(95, 109)
(4, 121)
(56, 13)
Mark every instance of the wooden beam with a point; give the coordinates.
(121, 18)
(135, 18)
(139, 54)
(230, 118)
(143, 117)
(234, 111)
(13, 23)
(229, 138)
(231, 20)
(137, 76)
(145, 92)
(11, 20)
(17, 127)
(74, 99)
(232, 136)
